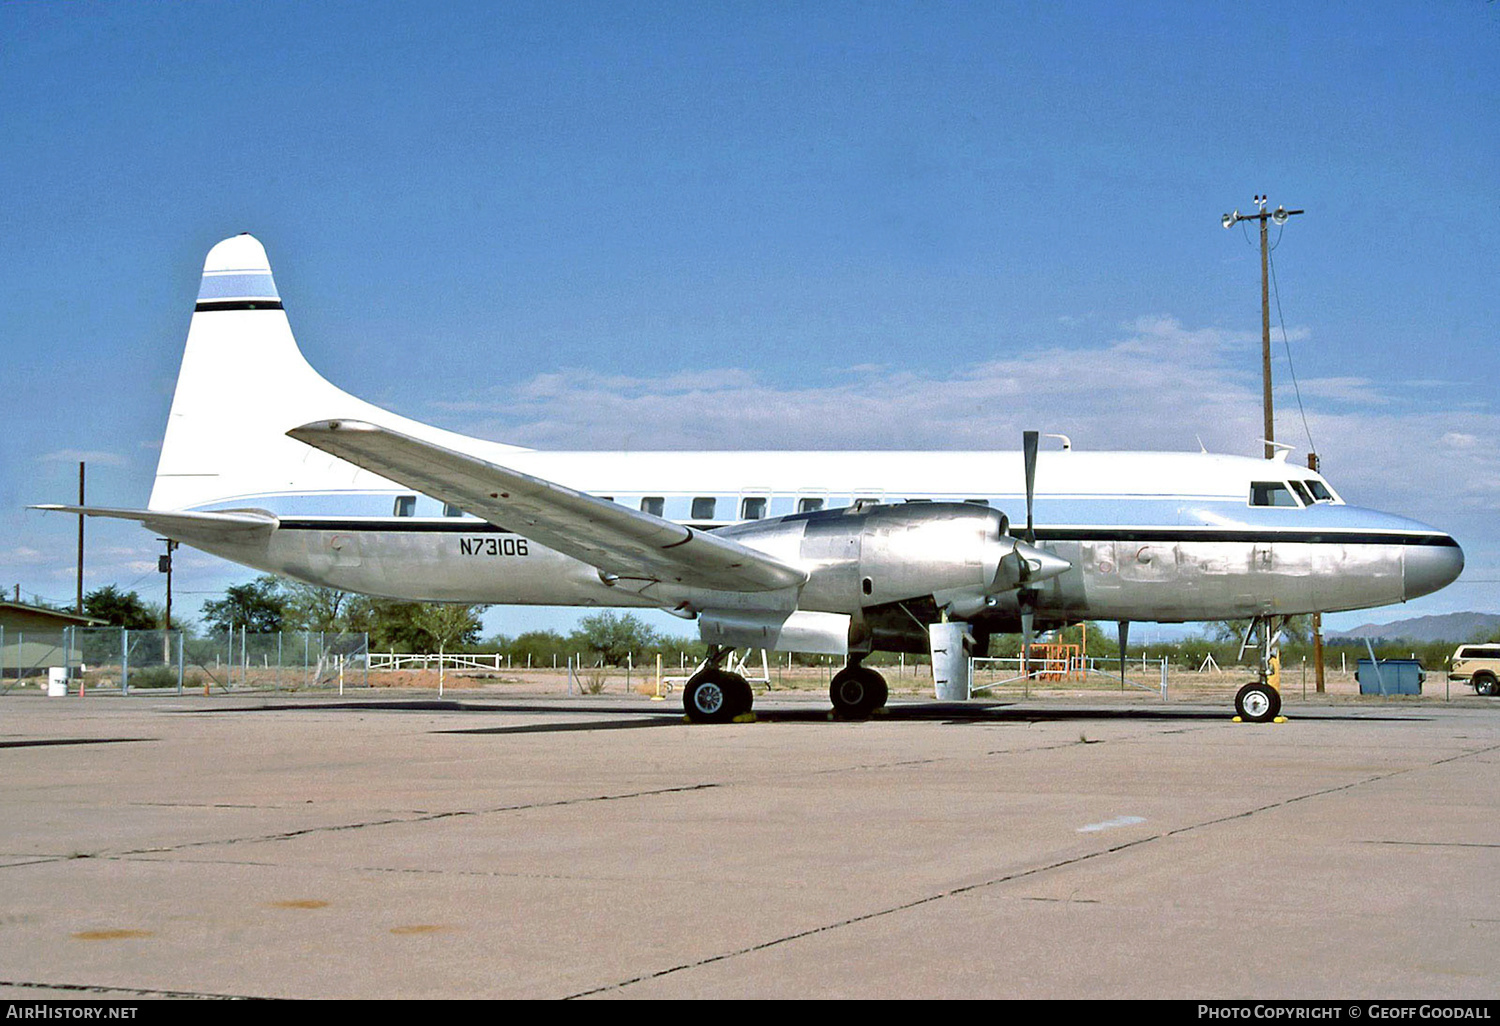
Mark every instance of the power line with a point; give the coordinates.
(1287, 345)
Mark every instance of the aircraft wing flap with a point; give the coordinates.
(617, 540)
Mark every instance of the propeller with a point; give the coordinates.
(1029, 441)
(1124, 637)
(1026, 597)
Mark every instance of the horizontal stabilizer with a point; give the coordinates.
(622, 542)
(184, 526)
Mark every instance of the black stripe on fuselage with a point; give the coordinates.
(1178, 535)
(238, 304)
(1069, 534)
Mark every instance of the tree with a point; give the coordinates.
(539, 648)
(259, 606)
(612, 637)
(446, 625)
(417, 626)
(309, 607)
(120, 609)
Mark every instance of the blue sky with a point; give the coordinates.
(738, 225)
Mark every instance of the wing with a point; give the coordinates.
(619, 541)
(185, 526)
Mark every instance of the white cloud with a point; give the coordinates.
(107, 459)
(1158, 385)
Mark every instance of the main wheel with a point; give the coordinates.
(857, 691)
(709, 697)
(740, 695)
(1257, 703)
(1485, 684)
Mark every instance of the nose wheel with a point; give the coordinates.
(1257, 703)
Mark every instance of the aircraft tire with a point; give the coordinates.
(739, 692)
(1257, 703)
(1485, 684)
(856, 692)
(710, 697)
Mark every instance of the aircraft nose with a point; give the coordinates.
(1430, 567)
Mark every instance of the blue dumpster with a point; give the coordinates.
(1397, 677)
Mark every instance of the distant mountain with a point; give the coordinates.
(1454, 627)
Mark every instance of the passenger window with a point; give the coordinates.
(753, 508)
(703, 508)
(809, 505)
(918, 500)
(1320, 491)
(977, 502)
(1302, 493)
(406, 506)
(653, 504)
(1271, 493)
(450, 510)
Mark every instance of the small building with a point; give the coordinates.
(33, 638)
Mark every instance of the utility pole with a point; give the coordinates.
(79, 610)
(164, 565)
(1280, 215)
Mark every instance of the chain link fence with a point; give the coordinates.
(127, 661)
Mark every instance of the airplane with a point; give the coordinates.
(266, 463)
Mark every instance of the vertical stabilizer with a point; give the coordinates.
(242, 386)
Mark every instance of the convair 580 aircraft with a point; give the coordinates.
(268, 464)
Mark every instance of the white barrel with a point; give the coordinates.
(57, 681)
(950, 660)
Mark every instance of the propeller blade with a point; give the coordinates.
(1124, 637)
(1029, 440)
(1028, 616)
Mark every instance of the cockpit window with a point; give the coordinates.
(1319, 491)
(1271, 493)
(1302, 492)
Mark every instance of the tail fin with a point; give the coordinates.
(242, 386)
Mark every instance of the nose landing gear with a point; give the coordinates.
(1260, 700)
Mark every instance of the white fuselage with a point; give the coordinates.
(1148, 536)
(1143, 546)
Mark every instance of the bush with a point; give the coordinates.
(154, 677)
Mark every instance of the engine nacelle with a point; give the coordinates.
(958, 554)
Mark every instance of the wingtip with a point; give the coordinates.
(319, 428)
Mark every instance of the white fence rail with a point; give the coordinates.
(1054, 671)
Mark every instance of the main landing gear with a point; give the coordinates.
(715, 695)
(856, 691)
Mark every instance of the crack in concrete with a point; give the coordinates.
(367, 824)
(1020, 875)
(105, 988)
